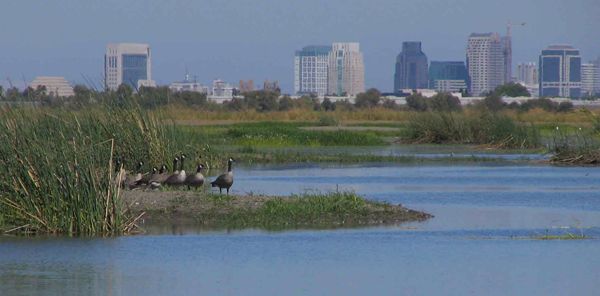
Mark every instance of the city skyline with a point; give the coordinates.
(262, 48)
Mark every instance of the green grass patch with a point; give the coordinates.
(313, 210)
(481, 128)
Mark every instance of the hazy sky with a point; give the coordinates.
(243, 39)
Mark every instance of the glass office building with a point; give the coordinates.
(448, 76)
(411, 68)
(560, 72)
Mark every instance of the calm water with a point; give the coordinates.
(469, 248)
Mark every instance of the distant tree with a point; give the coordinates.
(304, 102)
(189, 98)
(417, 102)
(512, 89)
(124, 92)
(493, 102)
(344, 105)
(541, 103)
(327, 105)
(82, 94)
(1, 92)
(390, 104)
(262, 100)
(368, 99)
(235, 104)
(13, 94)
(445, 102)
(286, 103)
(565, 107)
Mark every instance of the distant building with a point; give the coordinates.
(346, 70)
(448, 76)
(411, 67)
(527, 73)
(271, 86)
(246, 86)
(55, 86)
(128, 63)
(486, 62)
(597, 77)
(560, 72)
(589, 76)
(188, 85)
(311, 66)
(221, 89)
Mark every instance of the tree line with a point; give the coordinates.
(268, 101)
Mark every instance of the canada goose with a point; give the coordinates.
(196, 180)
(224, 180)
(132, 180)
(175, 178)
(157, 179)
(145, 180)
(182, 175)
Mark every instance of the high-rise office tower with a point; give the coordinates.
(589, 76)
(560, 72)
(311, 66)
(411, 67)
(448, 76)
(127, 63)
(486, 62)
(597, 78)
(346, 70)
(527, 73)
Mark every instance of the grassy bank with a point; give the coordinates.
(330, 210)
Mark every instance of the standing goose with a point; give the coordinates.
(133, 179)
(182, 176)
(172, 179)
(224, 180)
(196, 180)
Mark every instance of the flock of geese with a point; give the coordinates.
(157, 178)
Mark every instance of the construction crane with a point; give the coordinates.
(507, 40)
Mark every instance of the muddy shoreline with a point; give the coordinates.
(212, 211)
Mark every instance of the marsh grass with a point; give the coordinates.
(57, 173)
(279, 134)
(566, 236)
(574, 146)
(481, 128)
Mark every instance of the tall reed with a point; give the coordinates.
(57, 173)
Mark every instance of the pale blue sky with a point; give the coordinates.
(243, 39)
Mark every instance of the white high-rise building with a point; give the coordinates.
(128, 63)
(589, 76)
(486, 62)
(527, 73)
(311, 66)
(346, 70)
(597, 78)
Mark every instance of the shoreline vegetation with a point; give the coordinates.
(305, 211)
(57, 176)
